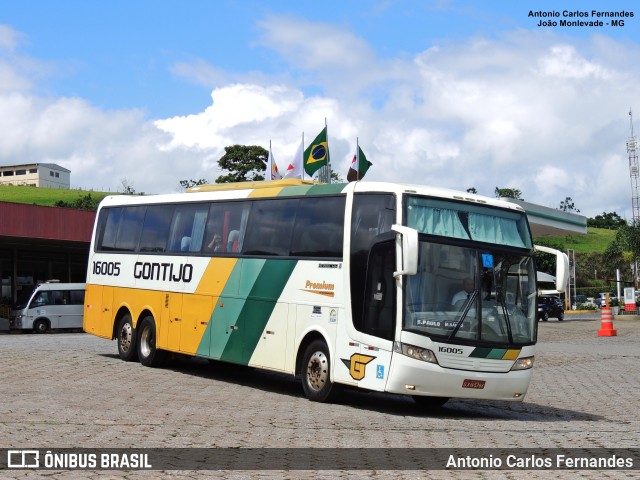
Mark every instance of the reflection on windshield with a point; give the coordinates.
(469, 294)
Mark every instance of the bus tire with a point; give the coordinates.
(126, 336)
(316, 372)
(429, 403)
(40, 326)
(148, 354)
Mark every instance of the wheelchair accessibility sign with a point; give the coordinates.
(380, 371)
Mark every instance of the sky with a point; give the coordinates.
(449, 93)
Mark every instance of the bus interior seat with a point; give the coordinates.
(185, 244)
(232, 241)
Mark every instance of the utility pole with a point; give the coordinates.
(634, 173)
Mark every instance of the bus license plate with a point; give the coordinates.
(478, 384)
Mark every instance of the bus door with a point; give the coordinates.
(378, 323)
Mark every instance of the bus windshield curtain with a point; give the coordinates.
(491, 229)
(437, 221)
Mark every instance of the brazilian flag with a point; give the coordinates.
(317, 154)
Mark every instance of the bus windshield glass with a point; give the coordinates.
(466, 291)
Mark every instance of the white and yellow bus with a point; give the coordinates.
(388, 287)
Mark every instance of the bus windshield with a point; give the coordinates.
(472, 285)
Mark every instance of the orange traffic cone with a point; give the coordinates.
(606, 328)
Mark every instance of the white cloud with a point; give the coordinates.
(543, 114)
(565, 62)
(9, 38)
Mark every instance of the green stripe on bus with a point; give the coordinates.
(322, 189)
(257, 310)
(225, 313)
(326, 189)
(238, 321)
(293, 191)
(480, 352)
(485, 352)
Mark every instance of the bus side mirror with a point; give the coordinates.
(562, 266)
(407, 240)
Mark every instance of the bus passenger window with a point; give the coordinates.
(130, 228)
(319, 227)
(187, 228)
(225, 221)
(270, 227)
(155, 230)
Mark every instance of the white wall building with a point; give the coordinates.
(43, 175)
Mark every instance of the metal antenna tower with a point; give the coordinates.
(634, 172)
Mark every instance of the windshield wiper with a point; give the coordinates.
(465, 310)
(505, 312)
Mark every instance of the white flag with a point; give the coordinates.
(272, 167)
(294, 170)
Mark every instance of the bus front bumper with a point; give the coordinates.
(409, 376)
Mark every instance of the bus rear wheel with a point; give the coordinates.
(148, 354)
(316, 373)
(126, 337)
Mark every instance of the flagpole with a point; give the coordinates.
(302, 166)
(270, 166)
(328, 166)
(357, 159)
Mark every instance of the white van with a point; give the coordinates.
(51, 305)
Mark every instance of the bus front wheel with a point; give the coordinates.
(316, 373)
(148, 354)
(41, 326)
(126, 336)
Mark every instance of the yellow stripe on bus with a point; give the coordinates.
(215, 276)
(511, 354)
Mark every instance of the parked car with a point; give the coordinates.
(550, 306)
(599, 299)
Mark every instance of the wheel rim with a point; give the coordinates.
(146, 342)
(317, 371)
(126, 333)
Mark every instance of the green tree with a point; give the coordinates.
(192, 183)
(472, 190)
(83, 203)
(567, 205)
(625, 248)
(243, 163)
(607, 220)
(508, 193)
(336, 178)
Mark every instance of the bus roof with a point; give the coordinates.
(285, 182)
(298, 187)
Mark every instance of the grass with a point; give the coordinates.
(44, 196)
(595, 241)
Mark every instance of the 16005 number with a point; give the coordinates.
(106, 268)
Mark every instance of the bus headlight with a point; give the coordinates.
(523, 363)
(418, 353)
